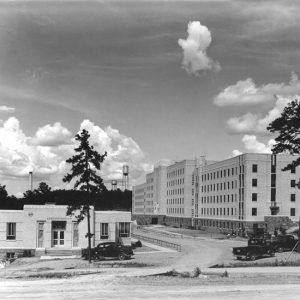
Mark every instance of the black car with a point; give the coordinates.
(111, 250)
(253, 251)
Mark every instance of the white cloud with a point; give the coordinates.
(120, 149)
(195, 59)
(254, 123)
(18, 157)
(246, 92)
(47, 155)
(251, 144)
(236, 153)
(52, 135)
(6, 109)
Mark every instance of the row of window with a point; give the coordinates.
(219, 211)
(219, 198)
(175, 201)
(292, 197)
(150, 188)
(292, 211)
(175, 210)
(175, 182)
(222, 173)
(149, 180)
(174, 173)
(124, 231)
(219, 186)
(175, 192)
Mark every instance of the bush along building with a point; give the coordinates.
(246, 193)
(38, 230)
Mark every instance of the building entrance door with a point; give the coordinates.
(58, 238)
(58, 233)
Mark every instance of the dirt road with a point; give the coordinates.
(112, 287)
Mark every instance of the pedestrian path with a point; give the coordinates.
(158, 249)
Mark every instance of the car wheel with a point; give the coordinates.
(279, 249)
(252, 257)
(121, 256)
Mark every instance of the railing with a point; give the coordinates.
(157, 241)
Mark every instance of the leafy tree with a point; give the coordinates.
(288, 127)
(84, 166)
(38, 196)
(44, 188)
(3, 192)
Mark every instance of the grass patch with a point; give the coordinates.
(275, 263)
(52, 275)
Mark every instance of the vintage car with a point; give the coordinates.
(280, 243)
(109, 250)
(285, 242)
(253, 251)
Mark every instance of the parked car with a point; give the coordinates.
(284, 242)
(253, 251)
(280, 243)
(109, 249)
(136, 244)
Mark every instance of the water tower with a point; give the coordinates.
(125, 181)
(114, 184)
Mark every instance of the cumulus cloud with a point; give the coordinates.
(45, 153)
(246, 92)
(120, 149)
(236, 153)
(251, 144)
(6, 109)
(195, 59)
(255, 123)
(18, 157)
(52, 135)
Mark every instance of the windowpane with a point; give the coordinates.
(104, 230)
(40, 234)
(273, 180)
(293, 183)
(124, 229)
(254, 168)
(293, 197)
(254, 182)
(75, 234)
(254, 196)
(254, 211)
(293, 212)
(10, 231)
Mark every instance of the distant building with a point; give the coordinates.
(243, 193)
(45, 229)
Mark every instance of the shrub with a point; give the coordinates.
(196, 272)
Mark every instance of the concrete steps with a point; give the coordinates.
(62, 252)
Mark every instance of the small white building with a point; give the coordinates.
(46, 229)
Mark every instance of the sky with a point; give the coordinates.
(150, 80)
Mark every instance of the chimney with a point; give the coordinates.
(30, 181)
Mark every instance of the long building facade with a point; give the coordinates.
(38, 230)
(243, 193)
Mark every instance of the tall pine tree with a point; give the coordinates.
(84, 170)
(288, 128)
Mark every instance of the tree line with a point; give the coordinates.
(106, 200)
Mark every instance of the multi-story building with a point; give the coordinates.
(170, 194)
(139, 196)
(245, 192)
